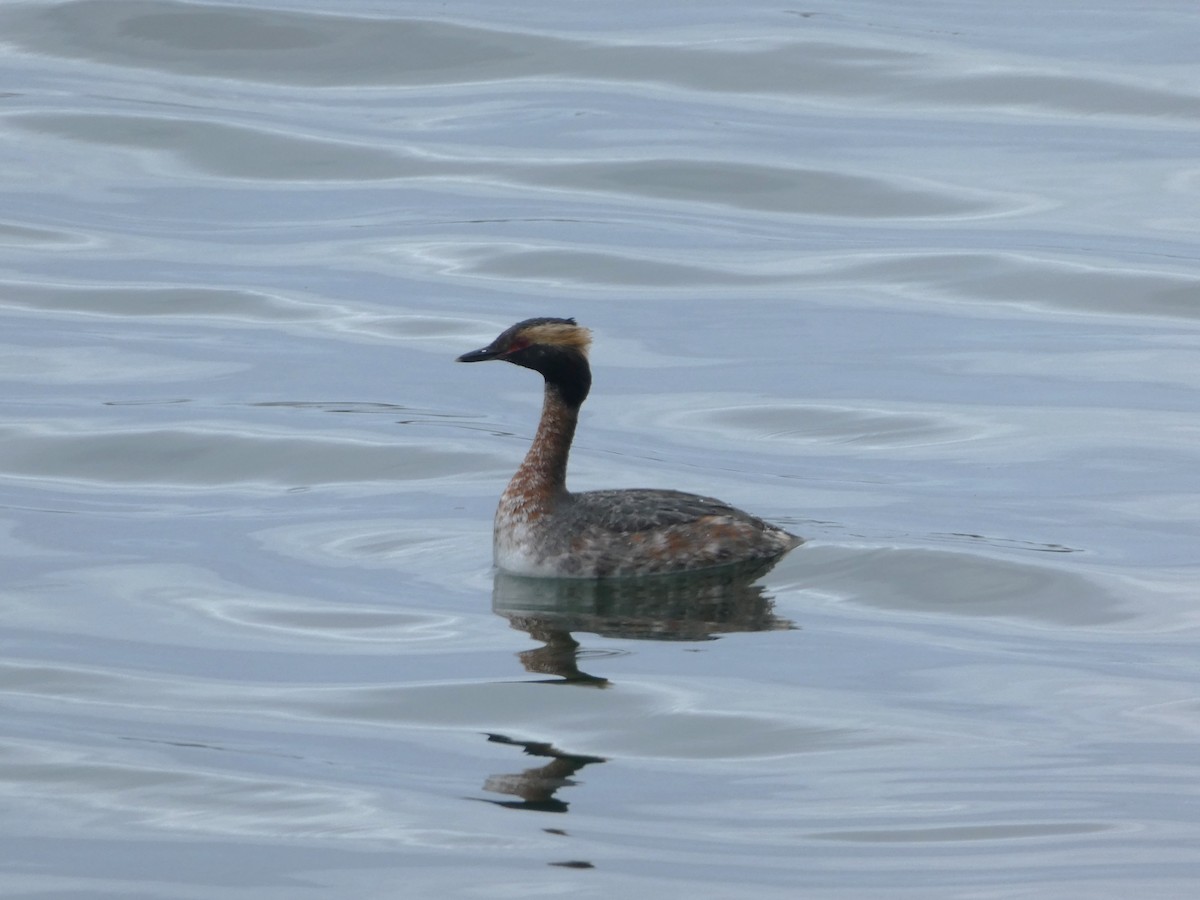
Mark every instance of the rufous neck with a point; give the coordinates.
(545, 464)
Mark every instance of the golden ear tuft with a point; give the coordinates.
(559, 334)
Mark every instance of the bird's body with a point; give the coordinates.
(542, 529)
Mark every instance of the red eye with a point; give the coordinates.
(518, 344)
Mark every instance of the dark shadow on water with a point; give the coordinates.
(695, 606)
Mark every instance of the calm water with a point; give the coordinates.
(919, 281)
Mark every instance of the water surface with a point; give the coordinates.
(918, 283)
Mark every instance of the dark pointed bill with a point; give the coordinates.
(484, 353)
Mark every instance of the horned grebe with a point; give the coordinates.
(543, 529)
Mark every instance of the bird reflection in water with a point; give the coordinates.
(536, 787)
(693, 606)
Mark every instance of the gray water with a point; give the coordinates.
(917, 281)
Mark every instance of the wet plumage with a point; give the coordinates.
(543, 529)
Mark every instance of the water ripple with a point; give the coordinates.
(215, 455)
(301, 48)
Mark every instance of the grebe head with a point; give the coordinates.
(555, 347)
